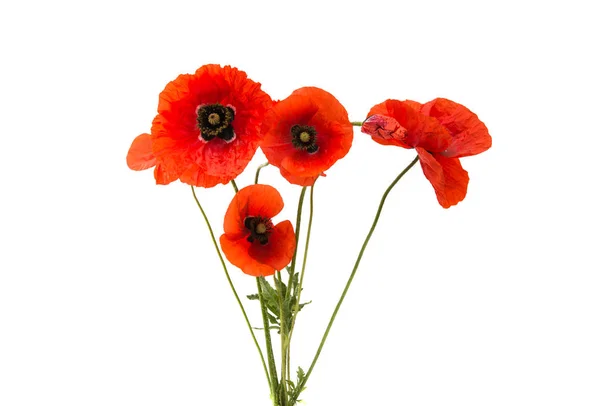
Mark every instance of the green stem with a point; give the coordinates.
(212, 236)
(297, 304)
(270, 356)
(357, 123)
(258, 171)
(283, 338)
(358, 259)
(234, 185)
(298, 223)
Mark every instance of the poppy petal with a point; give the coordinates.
(196, 175)
(448, 178)
(278, 252)
(391, 125)
(236, 252)
(163, 176)
(299, 180)
(254, 201)
(470, 136)
(140, 154)
(415, 128)
(385, 130)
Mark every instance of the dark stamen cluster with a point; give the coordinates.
(304, 137)
(214, 120)
(260, 228)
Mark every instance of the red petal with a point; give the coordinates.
(196, 175)
(299, 180)
(385, 130)
(278, 252)
(448, 178)
(140, 154)
(163, 176)
(329, 106)
(414, 129)
(253, 200)
(261, 260)
(236, 252)
(469, 135)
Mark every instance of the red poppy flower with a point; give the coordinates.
(207, 128)
(441, 131)
(305, 134)
(251, 241)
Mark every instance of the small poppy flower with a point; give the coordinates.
(441, 131)
(251, 241)
(207, 128)
(305, 134)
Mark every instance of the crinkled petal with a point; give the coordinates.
(196, 175)
(176, 140)
(470, 136)
(163, 176)
(140, 154)
(448, 178)
(385, 130)
(414, 129)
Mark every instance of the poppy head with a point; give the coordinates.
(251, 241)
(441, 131)
(305, 134)
(207, 128)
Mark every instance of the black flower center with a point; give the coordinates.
(214, 120)
(260, 228)
(304, 137)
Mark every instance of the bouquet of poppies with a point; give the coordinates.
(208, 128)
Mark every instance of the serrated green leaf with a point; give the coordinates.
(272, 320)
(280, 285)
(303, 304)
(253, 296)
(300, 373)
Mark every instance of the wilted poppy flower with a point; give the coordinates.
(441, 131)
(251, 241)
(207, 128)
(305, 134)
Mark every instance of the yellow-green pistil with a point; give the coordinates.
(304, 137)
(259, 227)
(215, 120)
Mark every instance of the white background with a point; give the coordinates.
(111, 294)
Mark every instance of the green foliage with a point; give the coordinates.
(272, 299)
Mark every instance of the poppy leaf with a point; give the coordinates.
(253, 296)
(300, 374)
(280, 285)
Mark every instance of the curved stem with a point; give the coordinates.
(271, 357)
(358, 259)
(356, 123)
(258, 171)
(234, 185)
(212, 236)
